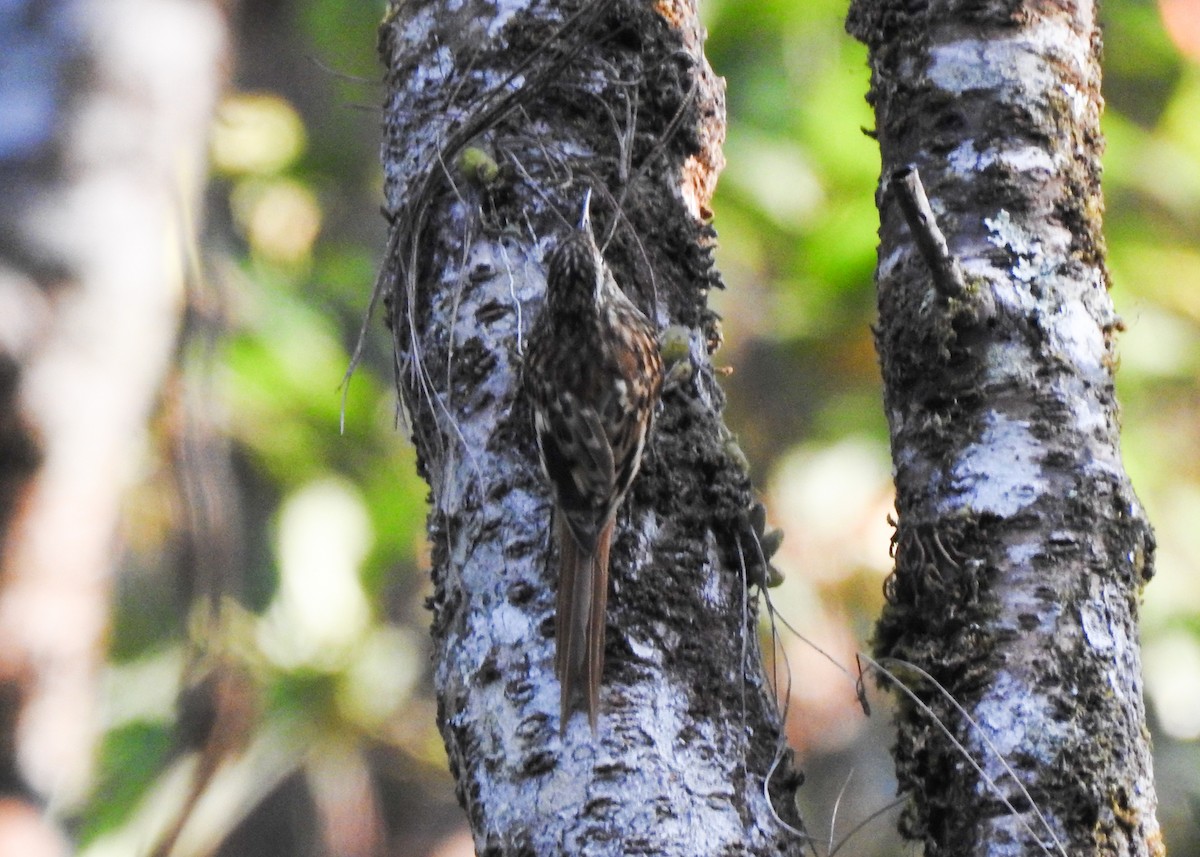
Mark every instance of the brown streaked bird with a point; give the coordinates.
(594, 375)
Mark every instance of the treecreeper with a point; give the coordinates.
(594, 376)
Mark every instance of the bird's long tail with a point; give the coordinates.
(579, 623)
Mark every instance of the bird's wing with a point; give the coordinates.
(578, 460)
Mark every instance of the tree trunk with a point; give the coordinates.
(101, 159)
(499, 116)
(1020, 546)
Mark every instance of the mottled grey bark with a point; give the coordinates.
(105, 107)
(499, 115)
(1021, 548)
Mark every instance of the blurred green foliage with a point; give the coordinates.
(130, 758)
(796, 217)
